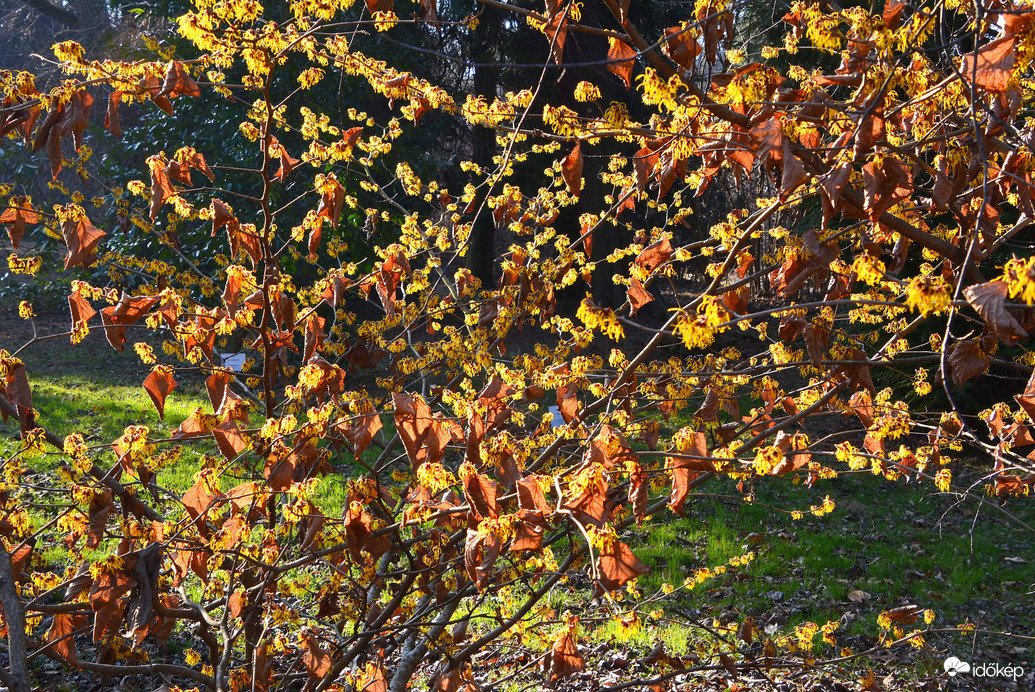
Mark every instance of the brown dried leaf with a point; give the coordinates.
(892, 16)
(644, 163)
(330, 203)
(317, 659)
(989, 299)
(905, 615)
(360, 431)
(885, 186)
(373, 679)
(18, 215)
(793, 175)
(480, 491)
(236, 603)
(228, 438)
(178, 82)
(246, 498)
(61, 631)
(1026, 399)
(587, 502)
(655, 254)
(870, 132)
(708, 411)
(681, 46)
(556, 31)
(816, 338)
(358, 532)
(744, 261)
(144, 567)
(280, 472)
(101, 507)
(287, 162)
(19, 393)
(682, 468)
(81, 237)
(568, 402)
(127, 311)
(791, 327)
(80, 308)
(195, 425)
(967, 360)
(21, 558)
(670, 170)
(995, 64)
(158, 385)
(564, 658)
(197, 162)
(638, 491)
(335, 290)
(533, 511)
(638, 296)
(161, 185)
(221, 215)
(314, 336)
(413, 422)
(571, 170)
(109, 585)
(737, 300)
(111, 118)
(263, 677)
(75, 117)
(621, 59)
(199, 499)
(49, 123)
(862, 404)
(480, 553)
(831, 187)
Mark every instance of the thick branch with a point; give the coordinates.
(408, 664)
(14, 616)
(58, 14)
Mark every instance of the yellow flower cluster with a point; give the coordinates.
(435, 477)
(767, 459)
(145, 352)
(699, 331)
(823, 509)
(868, 269)
(586, 91)
(1019, 275)
(927, 294)
(605, 320)
(69, 51)
(24, 265)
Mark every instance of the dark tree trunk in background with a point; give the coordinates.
(590, 48)
(30, 27)
(481, 252)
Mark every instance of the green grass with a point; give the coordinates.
(100, 410)
(885, 545)
(92, 390)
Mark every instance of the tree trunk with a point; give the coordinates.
(481, 252)
(590, 48)
(17, 679)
